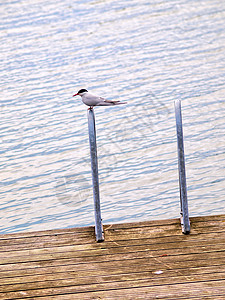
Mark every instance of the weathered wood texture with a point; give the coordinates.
(147, 260)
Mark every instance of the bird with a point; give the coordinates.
(92, 100)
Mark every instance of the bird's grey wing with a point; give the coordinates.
(91, 100)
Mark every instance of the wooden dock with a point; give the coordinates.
(147, 260)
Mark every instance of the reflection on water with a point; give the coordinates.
(146, 54)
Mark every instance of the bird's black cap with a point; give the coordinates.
(81, 91)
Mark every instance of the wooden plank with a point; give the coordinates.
(117, 266)
(115, 253)
(145, 296)
(43, 288)
(42, 254)
(147, 259)
(169, 248)
(80, 276)
(118, 291)
(69, 240)
(124, 235)
(111, 235)
(66, 279)
(71, 252)
(86, 231)
(24, 235)
(157, 246)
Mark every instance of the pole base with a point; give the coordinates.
(185, 227)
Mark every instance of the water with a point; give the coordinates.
(148, 54)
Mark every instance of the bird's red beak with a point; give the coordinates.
(75, 95)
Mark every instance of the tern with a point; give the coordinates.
(92, 100)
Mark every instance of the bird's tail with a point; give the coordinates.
(112, 102)
(119, 102)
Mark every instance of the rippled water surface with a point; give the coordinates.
(148, 53)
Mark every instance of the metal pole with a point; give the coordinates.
(185, 223)
(94, 168)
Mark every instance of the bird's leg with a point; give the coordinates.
(90, 108)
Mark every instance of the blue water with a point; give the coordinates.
(148, 54)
